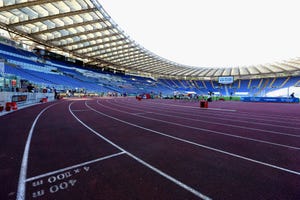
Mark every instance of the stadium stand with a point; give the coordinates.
(65, 76)
(45, 72)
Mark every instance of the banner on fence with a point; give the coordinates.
(270, 99)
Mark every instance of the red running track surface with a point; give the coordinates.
(121, 148)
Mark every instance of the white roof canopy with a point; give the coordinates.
(84, 29)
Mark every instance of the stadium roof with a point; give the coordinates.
(85, 30)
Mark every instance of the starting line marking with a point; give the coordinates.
(74, 166)
(177, 182)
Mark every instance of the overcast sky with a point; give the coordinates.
(212, 33)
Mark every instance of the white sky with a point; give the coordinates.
(212, 33)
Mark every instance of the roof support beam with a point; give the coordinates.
(185, 72)
(60, 15)
(116, 52)
(26, 4)
(147, 61)
(132, 59)
(67, 27)
(135, 59)
(191, 73)
(204, 72)
(153, 68)
(248, 72)
(261, 68)
(173, 71)
(291, 66)
(103, 48)
(102, 37)
(79, 34)
(128, 57)
(164, 70)
(100, 52)
(97, 44)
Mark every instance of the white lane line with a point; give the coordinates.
(208, 130)
(23, 170)
(231, 125)
(83, 110)
(74, 166)
(257, 116)
(218, 109)
(199, 145)
(177, 182)
(245, 119)
(142, 113)
(209, 122)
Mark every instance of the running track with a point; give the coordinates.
(121, 148)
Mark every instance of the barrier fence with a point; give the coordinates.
(14, 100)
(270, 99)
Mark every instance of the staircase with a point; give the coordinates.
(262, 88)
(286, 80)
(297, 84)
(226, 90)
(272, 82)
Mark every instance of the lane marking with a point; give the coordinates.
(23, 171)
(214, 115)
(74, 166)
(199, 145)
(210, 122)
(288, 120)
(239, 112)
(83, 110)
(163, 174)
(142, 113)
(236, 104)
(207, 130)
(218, 109)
